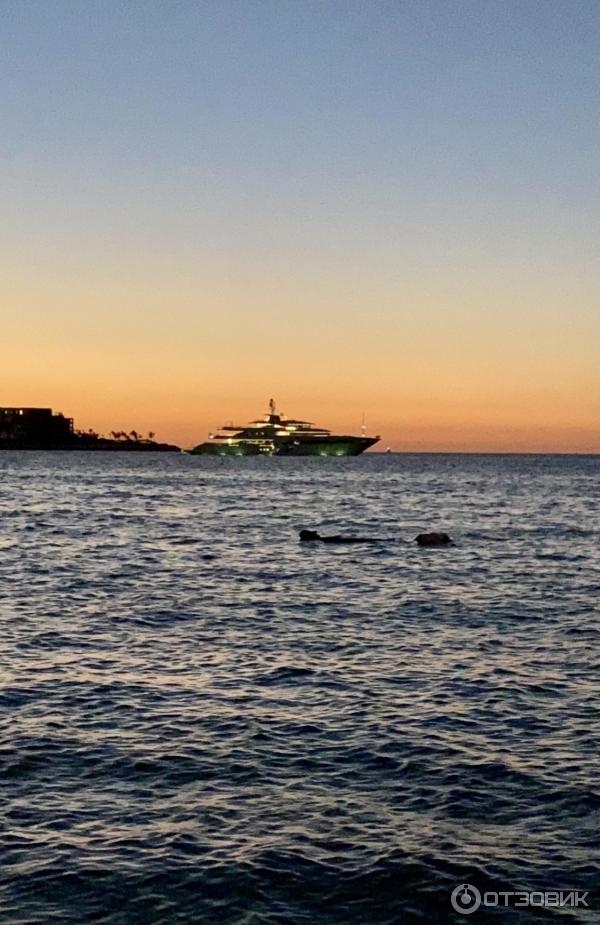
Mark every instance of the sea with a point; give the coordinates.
(204, 721)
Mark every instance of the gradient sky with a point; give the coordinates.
(379, 206)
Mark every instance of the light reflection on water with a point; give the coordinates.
(203, 719)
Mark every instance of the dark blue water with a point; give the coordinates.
(203, 721)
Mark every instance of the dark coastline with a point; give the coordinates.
(100, 445)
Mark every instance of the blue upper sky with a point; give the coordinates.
(427, 108)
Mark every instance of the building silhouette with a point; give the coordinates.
(24, 427)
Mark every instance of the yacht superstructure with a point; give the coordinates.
(276, 434)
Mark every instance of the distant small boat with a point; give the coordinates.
(277, 435)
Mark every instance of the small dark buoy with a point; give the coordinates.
(309, 536)
(433, 539)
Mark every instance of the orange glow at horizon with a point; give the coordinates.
(432, 370)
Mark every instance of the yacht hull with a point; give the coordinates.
(324, 446)
(328, 446)
(223, 449)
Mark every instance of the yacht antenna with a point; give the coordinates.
(364, 427)
(272, 406)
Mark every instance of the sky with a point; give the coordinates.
(388, 208)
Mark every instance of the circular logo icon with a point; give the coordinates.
(465, 898)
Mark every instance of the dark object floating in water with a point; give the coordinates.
(312, 536)
(433, 539)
